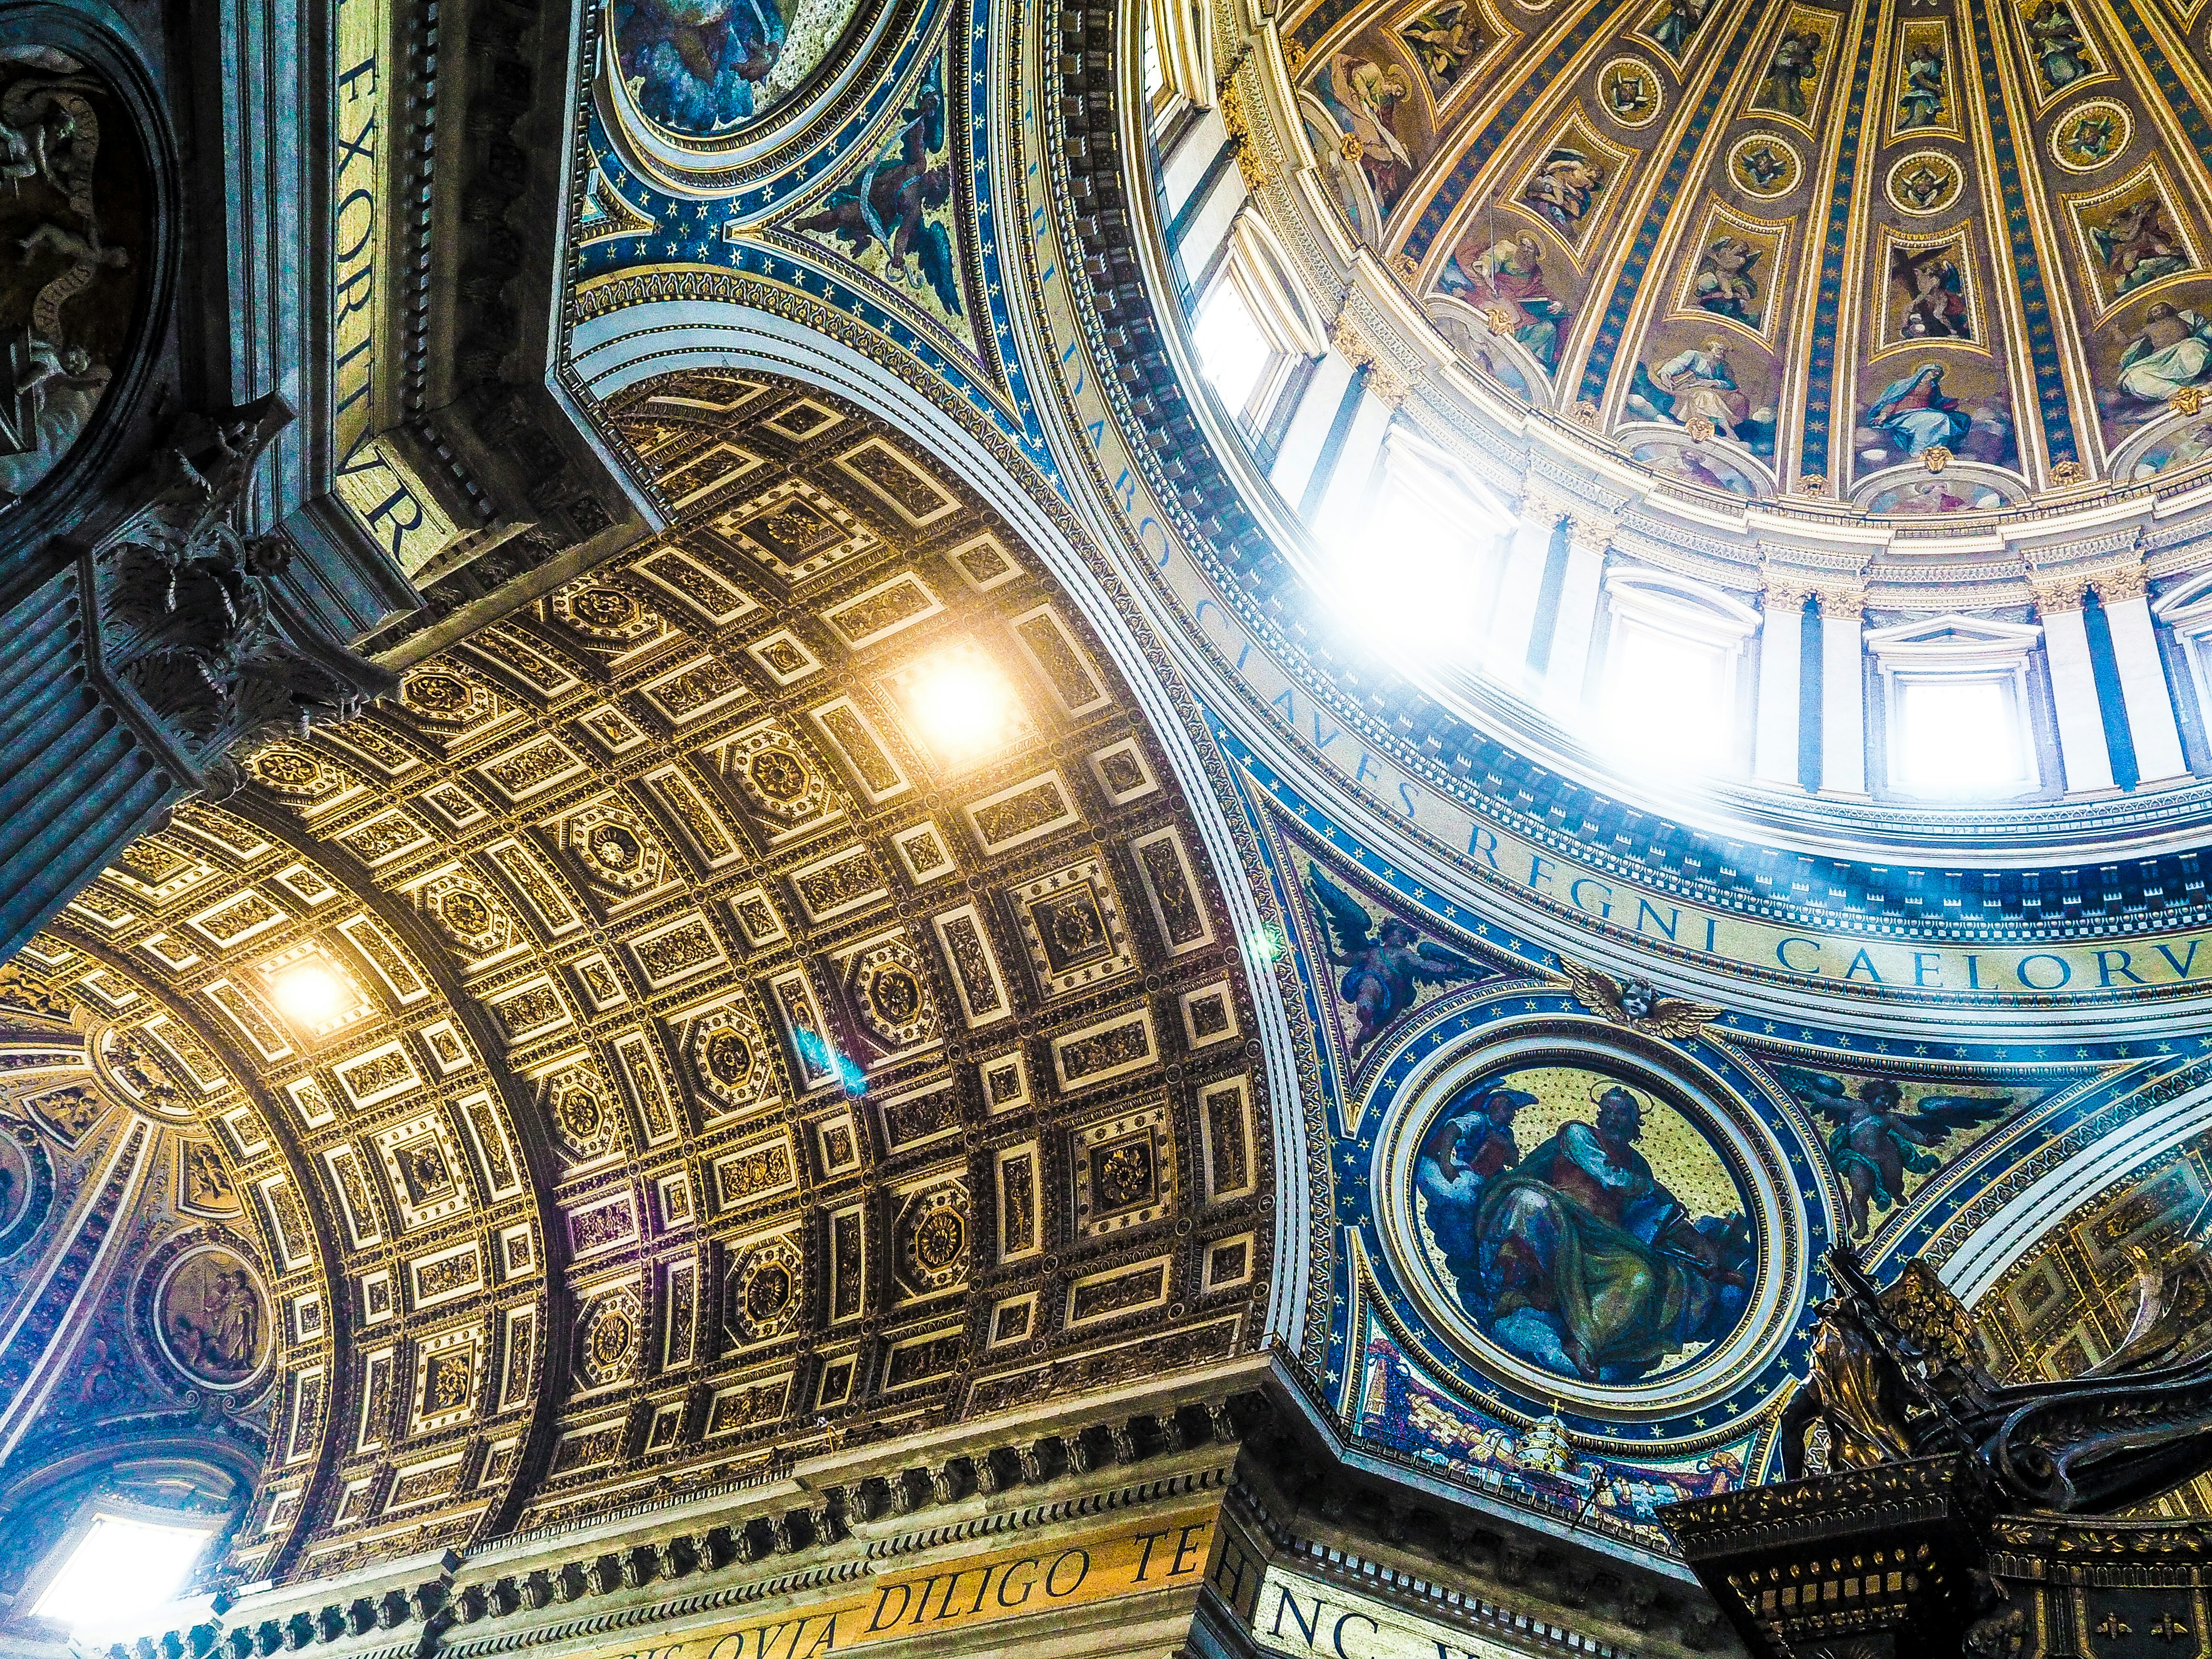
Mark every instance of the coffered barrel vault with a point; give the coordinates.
(729, 1052)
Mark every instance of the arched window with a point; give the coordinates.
(1418, 567)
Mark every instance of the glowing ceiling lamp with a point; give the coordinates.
(962, 705)
(309, 993)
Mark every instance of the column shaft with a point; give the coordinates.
(2142, 687)
(1843, 698)
(1513, 622)
(2082, 750)
(1576, 619)
(1781, 657)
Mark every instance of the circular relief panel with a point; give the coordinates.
(293, 772)
(607, 614)
(933, 1239)
(892, 997)
(1587, 1225)
(443, 697)
(583, 1120)
(1927, 181)
(210, 1316)
(614, 850)
(608, 1343)
(78, 217)
(730, 1058)
(466, 914)
(763, 1297)
(2089, 136)
(1764, 165)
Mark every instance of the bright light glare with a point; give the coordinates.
(309, 993)
(1957, 737)
(1663, 696)
(118, 1570)
(964, 706)
(1406, 575)
(1231, 351)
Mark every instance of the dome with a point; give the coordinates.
(1919, 261)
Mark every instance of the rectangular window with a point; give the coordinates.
(1233, 353)
(119, 1570)
(1956, 734)
(1667, 694)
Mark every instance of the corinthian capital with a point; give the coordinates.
(2055, 595)
(2119, 585)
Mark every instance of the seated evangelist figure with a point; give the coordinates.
(1586, 1264)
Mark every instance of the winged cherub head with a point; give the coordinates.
(1639, 997)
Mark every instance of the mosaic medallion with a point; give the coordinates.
(1630, 91)
(1583, 1224)
(1568, 1222)
(2090, 136)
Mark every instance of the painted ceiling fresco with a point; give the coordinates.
(1929, 256)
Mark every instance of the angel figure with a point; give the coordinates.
(1637, 1002)
(1382, 970)
(1878, 1141)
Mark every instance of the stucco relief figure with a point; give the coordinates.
(1364, 96)
(1921, 101)
(1383, 968)
(2138, 245)
(2171, 352)
(1562, 189)
(1586, 1263)
(212, 1317)
(707, 67)
(1507, 277)
(1879, 1141)
(1915, 415)
(71, 218)
(2060, 53)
